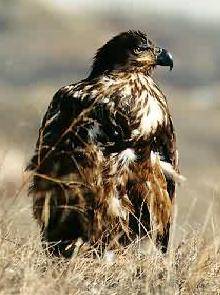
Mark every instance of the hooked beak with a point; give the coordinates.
(165, 59)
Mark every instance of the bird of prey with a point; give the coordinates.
(105, 165)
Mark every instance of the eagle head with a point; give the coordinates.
(130, 50)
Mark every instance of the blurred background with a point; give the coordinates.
(46, 44)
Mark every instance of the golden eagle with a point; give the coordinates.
(105, 164)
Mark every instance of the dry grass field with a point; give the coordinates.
(191, 266)
(44, 49)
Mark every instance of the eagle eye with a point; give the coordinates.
(141, 48)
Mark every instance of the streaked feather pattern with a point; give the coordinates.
(105, 164)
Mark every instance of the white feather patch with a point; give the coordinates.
(167, 168)
(126, 157)
(115, 208)
(169, 171)
(152, 116)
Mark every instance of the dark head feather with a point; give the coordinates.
(116, 51)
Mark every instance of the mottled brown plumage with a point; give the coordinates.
(105, 164)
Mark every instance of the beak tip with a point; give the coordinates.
(165, 59)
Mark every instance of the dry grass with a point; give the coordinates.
(192, 267)
(29, 78)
